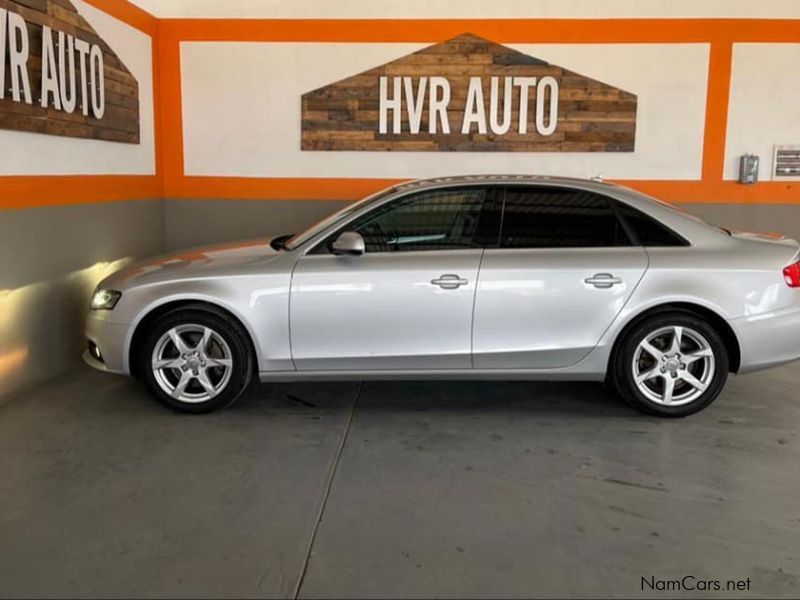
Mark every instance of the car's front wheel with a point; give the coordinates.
(195, 360)
(671, 364)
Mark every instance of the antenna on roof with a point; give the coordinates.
(598, 178)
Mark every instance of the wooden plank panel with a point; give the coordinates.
(120, 121)
(39, 5)
(591, 116)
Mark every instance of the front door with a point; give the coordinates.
(563, 270)
(406, 303)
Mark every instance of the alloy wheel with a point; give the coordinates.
(673, 366)
(192, 363)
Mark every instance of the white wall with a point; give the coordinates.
(764, 103)
(385, 9)
(37, 154)
(241, 111)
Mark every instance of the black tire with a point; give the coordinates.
(222, 324)
(622, 373)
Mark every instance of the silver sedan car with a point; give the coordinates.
(485, 277)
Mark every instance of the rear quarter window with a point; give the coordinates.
(649, 231)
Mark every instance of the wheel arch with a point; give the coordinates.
(152, 313)
(722, 327)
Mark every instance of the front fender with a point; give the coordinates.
(260, 304)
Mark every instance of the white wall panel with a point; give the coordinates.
(37, 154)
(764, 103)
(241, 112)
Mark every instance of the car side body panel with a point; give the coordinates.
(738, 277)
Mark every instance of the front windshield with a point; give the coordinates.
(301, 238)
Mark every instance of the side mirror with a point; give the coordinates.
(349, 243)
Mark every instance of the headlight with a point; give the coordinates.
(105, 299)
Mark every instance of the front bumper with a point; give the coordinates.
(111, 339)
(93, 362)
(768, 340)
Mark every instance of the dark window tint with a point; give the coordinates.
(649, 231)
(444, 219)
(536, 217)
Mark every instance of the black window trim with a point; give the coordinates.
(629, 230)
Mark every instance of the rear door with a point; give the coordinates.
(561, 272)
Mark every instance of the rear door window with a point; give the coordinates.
(555, 217)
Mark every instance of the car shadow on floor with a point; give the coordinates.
(123, 395)
(588, 399)
(126, 396)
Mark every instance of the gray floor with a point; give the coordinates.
(396, 489)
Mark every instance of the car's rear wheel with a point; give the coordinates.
(671, 364)
(195, 360)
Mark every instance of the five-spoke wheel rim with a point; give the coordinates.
(673, 366)
(192, 363)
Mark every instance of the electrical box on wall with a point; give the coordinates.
(748, 168)
(786, 163)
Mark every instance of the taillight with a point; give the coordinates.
(792, 275)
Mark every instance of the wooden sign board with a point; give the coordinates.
(59, 77)
(469, 94)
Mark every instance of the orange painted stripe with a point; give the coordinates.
(256, 188)
(554, 31)
(717, 96)
(158, 135)
(718, 192)
(129, 13)
(29, 191)
(52, 190)
(170, 113)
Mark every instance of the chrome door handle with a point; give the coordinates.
(449, 281)
(603, 280)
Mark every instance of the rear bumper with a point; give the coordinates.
(768, 340)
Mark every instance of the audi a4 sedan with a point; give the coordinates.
(485, 277)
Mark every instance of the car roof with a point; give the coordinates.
(459, 180)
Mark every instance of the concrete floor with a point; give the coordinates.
(396, 490)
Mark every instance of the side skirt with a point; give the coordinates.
(434, 374)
